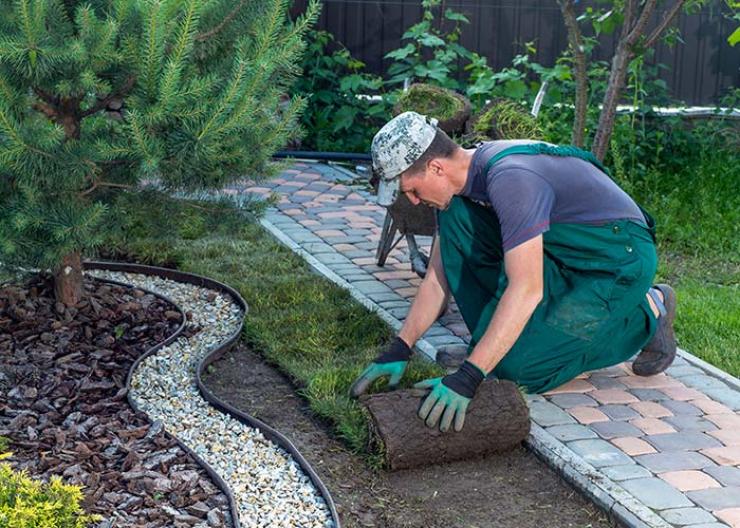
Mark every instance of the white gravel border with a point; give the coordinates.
(269, 487)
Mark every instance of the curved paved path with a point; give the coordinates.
(661, 451)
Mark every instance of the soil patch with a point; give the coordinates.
(63, 405)
(513, 490)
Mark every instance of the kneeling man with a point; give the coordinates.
(550, 263)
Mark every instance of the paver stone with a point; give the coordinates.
(726, 436)
(725, 421)
(575, 385)
(611, 429)
(547, 414)
(633, 446)
(684, 516)
(651, 409)
(625, 472)
(566, 401)
(711, 407)
(681, 441)
(599, 453)
(683, 393)
(655, 493)
(724, 456)
(649, 394)
(726, 475)
(690, 480)
(730, 515)
(566, 433)
(652, 426)
(658, 381)
(680, 407)
(685, 422)
(588, 415)
(673, 461)
(611, 396)
(619, 412)
(716, 498)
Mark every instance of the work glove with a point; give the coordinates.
(450, 396)
(391, 363)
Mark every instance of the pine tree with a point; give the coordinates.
(98, 97)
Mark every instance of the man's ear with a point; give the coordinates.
(436, 166)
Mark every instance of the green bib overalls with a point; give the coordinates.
(593, 313)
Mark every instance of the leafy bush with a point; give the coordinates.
(339, 116)
(26, 503)
(432, 52)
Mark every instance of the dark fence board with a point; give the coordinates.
(700, 71)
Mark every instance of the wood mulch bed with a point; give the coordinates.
(64, 408)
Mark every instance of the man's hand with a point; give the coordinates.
(450, 395)
(391, 363)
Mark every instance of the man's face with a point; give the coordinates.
(429, 187)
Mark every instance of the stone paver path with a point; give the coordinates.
(660, 451)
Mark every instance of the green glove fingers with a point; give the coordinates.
(450, 397)
(442, 402)
(378, 370)
(391, 363)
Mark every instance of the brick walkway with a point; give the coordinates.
(659, 451)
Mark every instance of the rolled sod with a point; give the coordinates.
(497, 420)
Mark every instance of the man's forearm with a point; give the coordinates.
(511, 316)
(429, 301)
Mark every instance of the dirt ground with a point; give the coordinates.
(504, 491)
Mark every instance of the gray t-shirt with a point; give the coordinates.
(530, 192)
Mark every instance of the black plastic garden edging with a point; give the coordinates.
(215, 352)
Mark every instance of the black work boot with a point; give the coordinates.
(660, 352)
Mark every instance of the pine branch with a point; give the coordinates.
(100, 105)
(202, 37)
(47, 110)
(98, 184)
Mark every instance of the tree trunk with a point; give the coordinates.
(579, 62)
(617, 78)
(68, 280)
(497, 420)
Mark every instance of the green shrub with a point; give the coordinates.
(339, 116)
(27, 503)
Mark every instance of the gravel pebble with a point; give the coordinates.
(270, 488)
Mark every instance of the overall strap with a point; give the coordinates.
(549, 150)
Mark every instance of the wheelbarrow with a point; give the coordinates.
(405, 220)
(408, 221)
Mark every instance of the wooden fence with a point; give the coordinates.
(700, 70)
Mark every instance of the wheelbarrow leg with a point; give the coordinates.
(419, 260)
(385, 244)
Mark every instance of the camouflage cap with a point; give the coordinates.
(396, 147)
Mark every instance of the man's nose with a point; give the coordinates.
(413, 198)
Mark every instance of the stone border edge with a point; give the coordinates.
(215, 352)
(710, 369)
